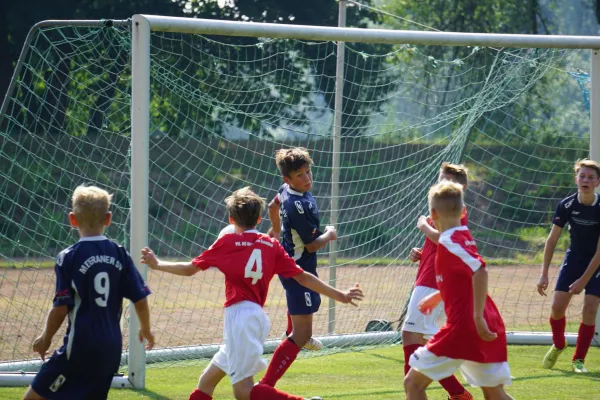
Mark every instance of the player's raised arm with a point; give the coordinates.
(320, 242)
(275, 229)
(312, 282)
(185, 268)
(429, 231)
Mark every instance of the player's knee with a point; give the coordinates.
(31, 394)
(242, 392)
(412, 385)
(558, 311)
(589, 312)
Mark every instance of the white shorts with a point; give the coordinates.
(245, 331)
(476, 374)
(415, 320)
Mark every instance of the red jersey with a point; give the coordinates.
(249, 261)
(456, 261)
(426, 271)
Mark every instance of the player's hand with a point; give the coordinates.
(146, 334)
(149, 258)
(331, 232)
(429, 303)
(542, 285)
(275, 235)
(422, 222)
(484, 332)
(578, 286)
(415, 254)
(352, 295)
(41, 345)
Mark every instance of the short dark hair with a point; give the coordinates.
(458, 171)
(290, 160)
(245, 207)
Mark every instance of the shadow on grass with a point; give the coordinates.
(149, 394)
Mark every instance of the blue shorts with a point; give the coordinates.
(59, 379)
(572, 268)
(300, 300)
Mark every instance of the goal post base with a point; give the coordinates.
(15, 379)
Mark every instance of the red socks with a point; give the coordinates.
(408, 350)
(558, 332)
(584, 340)
(284, 356)
(452, 386)
(265, 392)
(198, 395)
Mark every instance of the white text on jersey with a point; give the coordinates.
(99, 259)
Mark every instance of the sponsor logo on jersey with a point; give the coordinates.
(575, 212)
(57, 383)
(569, 203)
(299, 207)
(470, 243)
(439, 278)
(62, 294)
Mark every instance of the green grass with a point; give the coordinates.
(376, 375)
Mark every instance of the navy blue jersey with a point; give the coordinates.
(299, 226)
(92, 278)
(584, 224)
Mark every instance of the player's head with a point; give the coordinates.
(91, 207)
(455, 173)
(245, 208)
(294, 165)
(446, 201)
(587, 175)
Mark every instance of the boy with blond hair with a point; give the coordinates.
(92, 278)
(473, 338)
(417, 327)
(579, 270)
(249, 260)
(294, 216)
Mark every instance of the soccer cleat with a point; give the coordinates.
(578, 367)
(551, 356)
(463, 396)
(315, 398)
(312, 345)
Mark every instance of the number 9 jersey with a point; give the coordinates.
(92, 278)
(249, 261)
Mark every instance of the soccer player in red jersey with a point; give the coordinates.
(579, 270)
(473, 338)
(249, 260)
(417, 327)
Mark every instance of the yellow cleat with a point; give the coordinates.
(551, 357)
(578, 367)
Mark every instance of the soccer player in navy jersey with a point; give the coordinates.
(473, 339)
(92, 278)
(249, 260)
(579, 270)
(294, 217)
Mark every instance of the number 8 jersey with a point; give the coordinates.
(92, 278)
(249, 261)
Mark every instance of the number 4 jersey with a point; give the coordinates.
(249, 261)
(92, 278)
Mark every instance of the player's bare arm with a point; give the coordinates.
(431, 233)
(320, 242)
(428, 303)
(415, 254)
(56, 317)
(143, 312)
(312, 282)
(480, 291)
(579, 285)
(275, 218)
(549, 247)
(185, 268)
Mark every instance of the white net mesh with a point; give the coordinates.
(221, 106)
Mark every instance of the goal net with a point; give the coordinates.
(220, 106)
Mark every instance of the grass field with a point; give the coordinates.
(375, 375)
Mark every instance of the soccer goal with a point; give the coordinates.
(172, 114)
